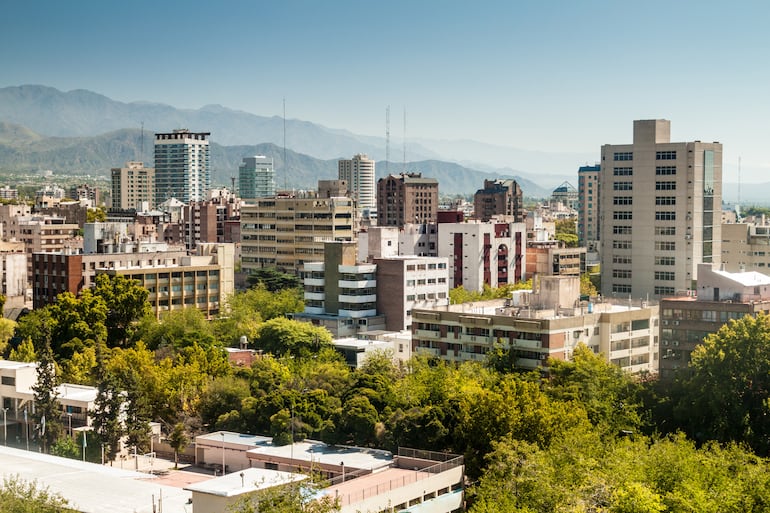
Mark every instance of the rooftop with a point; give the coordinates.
(313, 451)
(246, 481)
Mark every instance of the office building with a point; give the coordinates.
(588, 207)
(182, 168)
(746, 247)
(550, 258)
(407, 198)
(256, 177)
(358, 172)
(565, 195)
(133, 186)
(661, 205)
(499, 198)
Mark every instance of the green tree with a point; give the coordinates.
(7, 329)
(107, 406)
(300, 496)
(66, 447)
(25, 352)
(126, 302)
(178, 441)
(274, 280)
(287, 337)
(725, 394)
(96, 214)
(47, 407)
(19, 496)
(587, 287)
(566, 231)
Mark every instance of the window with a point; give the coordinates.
(622, 214)
(665, 200)
(623, 200)
(622, 171)
(665, 155)
(621, 230)
(664, 291)
(665, 170)
(665, 186)
(623, 155)
(8, 381)
(665, 275)
(665, 216)
(621, 259)
(621, 288)
(665, 246)
(621, 273)
(665, 261)
(621, 244)
(665, 230)
(623, 186)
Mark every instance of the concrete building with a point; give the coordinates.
(407, 198)
(499, 197)
(133, 186)
(44, 234)
(565, 195)
(289, 230)
(182, 168)
(479, 253)
(85, 194)
(256, 177)
(588, 207)
(359, 173)
(721, 296)
(9, 193)
(360, 479)
(340, 293)
(661, 206)
(408, 282)
(547, 323)
(551, 259)
(15, 280)
(746, 247)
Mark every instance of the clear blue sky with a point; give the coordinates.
(541, 75)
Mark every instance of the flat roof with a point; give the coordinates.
(93, 488)
(746, 278)
(72, 392)
(321, 453)
(10, 364)
(246, 481)
(234, 438)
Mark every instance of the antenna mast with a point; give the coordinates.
(141, 143)
(404, 139)
(285, 163)
(387, 139)
(739, 180)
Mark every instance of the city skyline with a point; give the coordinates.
(543, 77)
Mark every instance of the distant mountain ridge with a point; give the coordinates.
(23, 150)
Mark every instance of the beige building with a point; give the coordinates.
(407, 198)
(551, 259)
(541, 325)
(746, 247)
(358, 172)
(133, 186)
(287, 231)
(588, 207)
(661, 205)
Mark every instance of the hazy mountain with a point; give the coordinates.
(24, 150)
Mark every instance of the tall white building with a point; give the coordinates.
(660, 212)
(182, 168)
(359, 173)
(256, 177)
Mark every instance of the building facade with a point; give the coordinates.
(548, 323)
(133, 186)
(746, 247)
(721, 296)
(288, 231)
(478, 253)
(182, 168)
(551, 259)
(499, 197)
(359, 173)
(588, 207)
(256, 177)
(407, 198)
(660, 212)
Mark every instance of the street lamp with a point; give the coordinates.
(223, 452)
(69, 422)
(5, 427)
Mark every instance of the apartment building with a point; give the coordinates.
(133, 186)
(182, 168)
(660, 205)
(589, 191)
(406, 198)
(499, 198)
(746, 247)
(551, 258)
(256, 177)
(721, 296)
(479, 253)
(547, 323)
(359, 174)
(287, 231)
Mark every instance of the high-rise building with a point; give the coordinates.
(407, 198)
(133, 186)
(588, 207)
(182, 169)
(661, 205)
(499, 197)
(256, 177)
(359, 174)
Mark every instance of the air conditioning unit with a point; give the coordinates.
(676, 323)
(676, 342)
(665, 322)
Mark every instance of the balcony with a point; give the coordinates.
(317, 282)
(358, 284)
(320, 296)
(369, 298)
(355, 314)
(529, 344)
